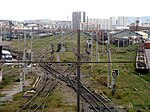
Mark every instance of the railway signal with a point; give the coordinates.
(52, 50)
(89, 42)
(115, 73)
(58, 47)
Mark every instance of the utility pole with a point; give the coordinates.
(1, 32)
(129, 46)
(97, 53)
(118, 43)
(24, 58)
(109, 71)
(1, 64)
(31, 47)
(78, 70)
(137, 29)
(19, 46)
(21, 71)
(10, 30)
(4, 31)
(91, 46)
(62, 35)
(87, 23)
(20, 81)
(0, 52)
(102, 41)
(91, 51)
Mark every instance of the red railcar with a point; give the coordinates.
(147, 45)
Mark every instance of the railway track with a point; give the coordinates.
(19, 54)
(39, 99)
(51, 41)
(96, 102)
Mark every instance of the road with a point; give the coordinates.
(147, 51)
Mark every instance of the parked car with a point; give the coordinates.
(6, 56)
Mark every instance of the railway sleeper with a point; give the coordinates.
(103, 108)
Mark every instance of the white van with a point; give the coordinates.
(6, 55)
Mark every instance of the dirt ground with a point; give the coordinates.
(9, 92)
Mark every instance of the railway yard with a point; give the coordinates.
(50, 83)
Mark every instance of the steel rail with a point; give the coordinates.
(61, 77)
(33, 97)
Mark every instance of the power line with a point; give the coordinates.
(65, 62)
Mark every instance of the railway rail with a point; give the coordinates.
(43, 92)
(19, 54)
(97, 102)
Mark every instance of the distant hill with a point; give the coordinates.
(31, 20)
(28, 21)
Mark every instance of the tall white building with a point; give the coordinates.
(94, 24)
(77, 18)
(113, 22)
(122, 21)
(105, 23)
(97, 24)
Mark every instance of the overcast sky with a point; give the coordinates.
(61, 9)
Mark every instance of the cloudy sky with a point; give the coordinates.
(61, 9)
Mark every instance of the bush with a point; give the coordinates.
(5, 81)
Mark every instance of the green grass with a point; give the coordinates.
(2, 95)
(9, 76)
(55, 100)
(126, 83)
